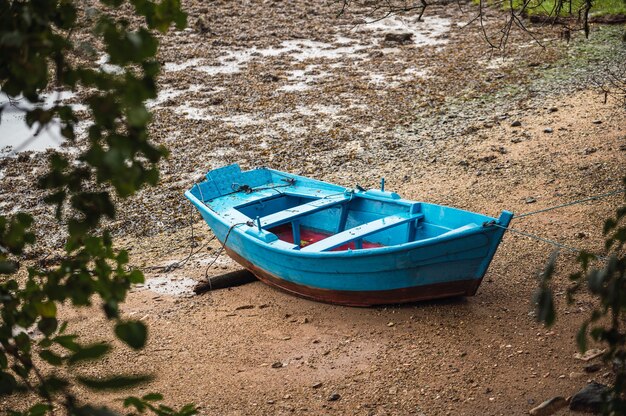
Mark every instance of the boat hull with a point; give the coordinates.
(362, 298)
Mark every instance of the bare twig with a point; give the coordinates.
(517, 13)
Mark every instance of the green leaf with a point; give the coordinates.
(113, 383)
(545, 306)
(133, 333)
(598, 333)
(136, 276)
(548, 272)
(22, 341)
(135, 402)
(40, 409)
(581, 337)
(7, 383)
(51, 357)
(47, 325)
(54, 383)
(46, 309)
(91, 352)
(609, 224)
(151, 397)
(8, 267)
(188, 410)
(68, 342)
(88, 410)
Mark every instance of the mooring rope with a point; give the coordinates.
(553, 242)
(579, 201)
(545, 240)
(219, 252)
(192, 252)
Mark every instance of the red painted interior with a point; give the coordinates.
(309, 236)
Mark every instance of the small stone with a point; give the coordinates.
(516, 123)
(269, 78)
(516, 140)
(531, 200)
(305, 320)
(277, 364)
(597, 121)
(589, 399)
(617, 365)
(390, 324)
(270, 402)
(590, 150)
(317, 385)
(548, 130)
(400, 38)
(549, 407)
(393, 390)
(589, 354)
(580, 235)
(575, 375)
(500, 149)
(622, 147)
(334, 397)
(553, 110)
(239, 308)
(592, 368)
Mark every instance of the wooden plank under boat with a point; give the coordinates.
(346, 246)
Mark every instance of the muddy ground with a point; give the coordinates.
(294, 87)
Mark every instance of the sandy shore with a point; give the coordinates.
(296, 88)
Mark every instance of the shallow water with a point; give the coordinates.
(15, 135)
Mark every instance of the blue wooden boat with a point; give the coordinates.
(346, 246)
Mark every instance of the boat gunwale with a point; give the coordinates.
(375, 251)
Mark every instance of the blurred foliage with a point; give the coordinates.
(607, 322)
(571, 8)
(38, 54)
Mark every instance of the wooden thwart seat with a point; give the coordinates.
(291, 214)
(360, 232)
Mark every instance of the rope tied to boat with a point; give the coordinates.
(221, 250)
(547, 240)
(543, 239)
(192, 252)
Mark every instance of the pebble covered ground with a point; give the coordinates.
(295, 87)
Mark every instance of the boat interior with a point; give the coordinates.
(350, 221)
